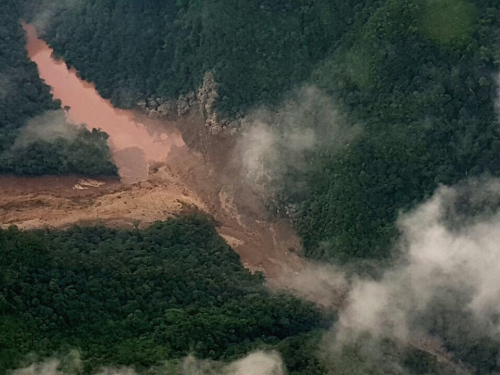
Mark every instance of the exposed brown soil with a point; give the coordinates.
(169, 179)
(160, 177)
(184, 182)
(135, 140)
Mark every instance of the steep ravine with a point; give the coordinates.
(160, 177)
(166, 167)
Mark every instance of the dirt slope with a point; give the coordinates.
(183, 182)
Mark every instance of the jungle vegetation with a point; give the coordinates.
(419, 76)
(23, 96)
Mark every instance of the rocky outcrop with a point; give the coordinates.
(203, 103)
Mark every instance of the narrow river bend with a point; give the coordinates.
(180, 180)
(134, 143)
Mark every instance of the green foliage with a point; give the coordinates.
(368, 356)
(136, 49)
(429, 118)
(132, 297)
(23, 95)
(470, 340)
(417, 74)
(447, 21)
(88, 154)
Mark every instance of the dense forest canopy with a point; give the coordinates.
(257, 50)
(420, 76)
(142, 297)
(23, 96)
(428, 107)
(133, 297)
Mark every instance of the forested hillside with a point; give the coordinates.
(414, 81)
(142, 297)
(23, 96)
(420, 76)
(132, 297)
(257, 50)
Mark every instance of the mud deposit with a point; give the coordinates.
(183, 183)
(160, 178)
(134, 141)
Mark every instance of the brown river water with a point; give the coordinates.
(162, 178)
(135, 141)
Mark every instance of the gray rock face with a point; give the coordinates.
(204, 100)
(207, 100)
(167, 108)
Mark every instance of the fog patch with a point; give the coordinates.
(256, 363)
(445, 285)
(440, 293)
(325, 285)
(43, 11)
(279, 141)
(440, 256)
(48, 127)
(68, 364)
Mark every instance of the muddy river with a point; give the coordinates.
(180, 180)
(134, 142)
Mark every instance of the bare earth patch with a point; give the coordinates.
(183, 183)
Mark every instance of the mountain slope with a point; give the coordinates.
(24, 96)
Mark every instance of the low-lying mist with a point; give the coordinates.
(442, 258)
(256, 363)
(47, 127)
(277, 141)
(41, 12)
(441, 295)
